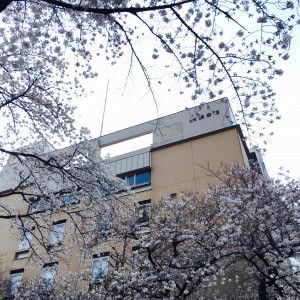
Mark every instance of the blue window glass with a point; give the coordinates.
(251, 162)
(69, 199)
(130, 180)
(142, 178)
(111, 188)
(105, 189)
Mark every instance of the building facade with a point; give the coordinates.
(183, 146)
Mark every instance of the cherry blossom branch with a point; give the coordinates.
(190, 29)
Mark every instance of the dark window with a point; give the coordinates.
(173, 196)
(143, 213)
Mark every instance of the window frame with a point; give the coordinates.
(56, 238)
(134, 175)
(11, 289)
(146, 206)
(49, 267)
(104, 256)
(37, 206)
(28, 237)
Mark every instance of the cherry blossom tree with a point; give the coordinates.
(211, 47)
(238, 240)
(248, 223)
(262, 225)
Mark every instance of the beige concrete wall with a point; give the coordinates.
(182, 166)
(9, 239)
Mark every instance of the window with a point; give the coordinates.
(139, 178)
(14, 282)
(44, 204)
(143, 212)
(24, 242)
(22, 254)
(140, 258)
(48, 273)
(38, 205)
(173, 196)
(107, 188)
(24, 245)
(104, 222)
(130, 180)
(68, 199)
(57, 232)
(100, 266)
(65, 198)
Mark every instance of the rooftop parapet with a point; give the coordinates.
(189, 123)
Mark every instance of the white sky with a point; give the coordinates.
(132, 105)
(284, 146)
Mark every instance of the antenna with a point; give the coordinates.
(104, 107)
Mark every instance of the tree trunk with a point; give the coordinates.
(262, 292)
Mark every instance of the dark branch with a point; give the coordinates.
(109, 11)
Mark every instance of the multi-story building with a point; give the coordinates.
(182, 146)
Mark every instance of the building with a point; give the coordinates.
(206, 135)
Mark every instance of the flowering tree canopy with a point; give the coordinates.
(212, 47)
(261, 223)
(240, 239)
